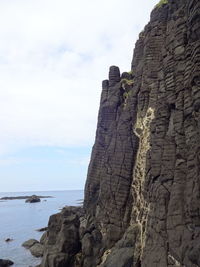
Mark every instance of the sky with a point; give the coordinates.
(53, 56)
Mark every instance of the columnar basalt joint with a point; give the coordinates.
(114, 75)
(105, 84)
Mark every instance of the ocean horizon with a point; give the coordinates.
(19, 221)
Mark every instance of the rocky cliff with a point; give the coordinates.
(142, 195)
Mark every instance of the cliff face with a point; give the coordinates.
(142, 195)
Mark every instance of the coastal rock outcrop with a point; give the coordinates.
(142, 194)
(33, 199)
(62, 241)
(5, 263)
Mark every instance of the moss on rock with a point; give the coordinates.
(161, 3)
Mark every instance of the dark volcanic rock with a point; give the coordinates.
(33, 199)
(62, 239)
(142, 197)
(114, 75)
(5, 263)
(107, 191)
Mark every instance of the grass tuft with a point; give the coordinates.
(126, 81)
(161, 3)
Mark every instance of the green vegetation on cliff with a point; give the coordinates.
(161, 3)
(127, 81)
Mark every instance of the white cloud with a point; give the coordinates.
(53, 56)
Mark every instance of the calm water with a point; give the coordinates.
(19, 220)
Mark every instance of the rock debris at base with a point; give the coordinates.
(35, 247)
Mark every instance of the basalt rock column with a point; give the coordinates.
(171, 185)
(108, 200)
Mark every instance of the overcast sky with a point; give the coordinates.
(53, 56)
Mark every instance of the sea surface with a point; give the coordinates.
(19, 221)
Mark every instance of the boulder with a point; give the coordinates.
(5, 263)
(37, 250)
(35, 247)
(29, 243)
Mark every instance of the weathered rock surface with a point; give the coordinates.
(142, 194)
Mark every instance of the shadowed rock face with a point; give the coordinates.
(108, 199)
(142, 194)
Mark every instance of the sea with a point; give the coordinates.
(20, 221)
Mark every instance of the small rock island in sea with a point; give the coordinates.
(33, 199)
(30, 199)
